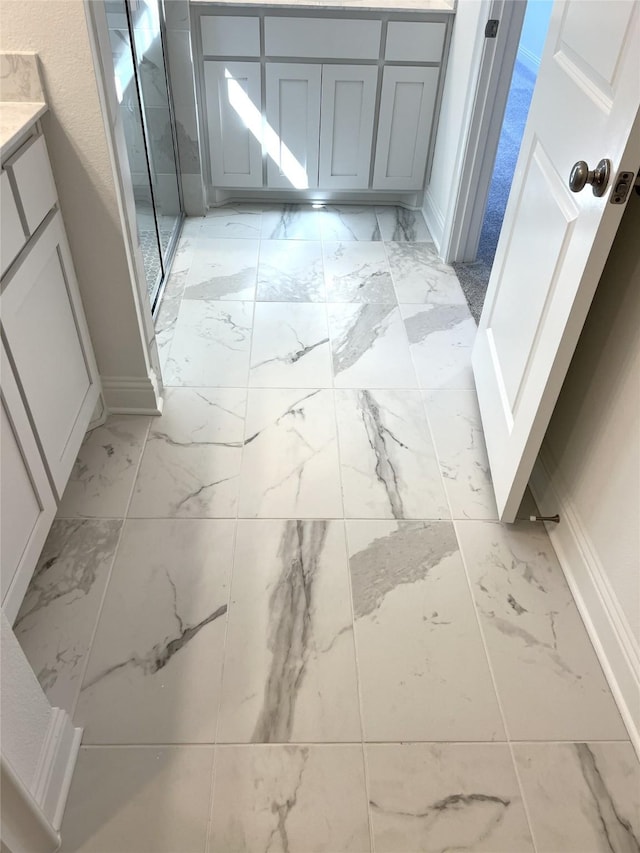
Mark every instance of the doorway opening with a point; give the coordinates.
(474, 276)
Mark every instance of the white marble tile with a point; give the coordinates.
(398, 224)
(420, 276)
(211, 344)
(290, 271)
(289, 798)
(191, 461)
(291, 222)
(389, 467)
(441, 339)
(423, 671)
(238, 221)
(349, 222)
(156, 664)
(290, 668)
(167, 316)
(445, 797)
(59, 612)
(581, 797)
(184, 253)
(223, 269)
(357, 272)
(369, 347)
(290, 346)
(103, 474)
(290, 460)
(139, 799)
(456, 427)
(547, 675)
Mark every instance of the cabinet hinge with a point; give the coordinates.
(491, 30)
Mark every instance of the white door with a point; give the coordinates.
(554, 242)
(293, 124)
(234, 119)
(346, 125)
(407, 106)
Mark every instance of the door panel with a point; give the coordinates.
(234, 116)
(554, 243)
(293, 124)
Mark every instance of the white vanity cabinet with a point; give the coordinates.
(342, 102)
(49, 382)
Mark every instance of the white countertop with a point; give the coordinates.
(21, 97)
(342, 5)
(16, 117)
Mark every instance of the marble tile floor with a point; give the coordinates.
(285, 612)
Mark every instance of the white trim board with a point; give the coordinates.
(57, 763)
(608, 629)
(132, 395)
(529, 59)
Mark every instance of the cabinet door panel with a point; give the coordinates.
(346, 131)
(26, 499)
(234, 118)
(293, 125)
(48, 342)
(404, 130)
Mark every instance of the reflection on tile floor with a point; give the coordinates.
(315, 635)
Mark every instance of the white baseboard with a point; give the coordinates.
(434, 218)
(132, 395)
(608, 629)
(529, 60)
(56, 766)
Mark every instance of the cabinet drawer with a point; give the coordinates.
(410, 41)
(12, 237)
(322, 38)
(230, 35)
(36, 189)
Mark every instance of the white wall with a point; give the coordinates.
(534, 33)
(80, 155)
(592, 458)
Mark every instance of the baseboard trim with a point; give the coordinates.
(608, 629)
(434, 218)
(57, 763)
(529, 60)
(132, 395)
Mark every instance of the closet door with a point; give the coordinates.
(404, 130)
(293, 124)
(346, 125)
(234, 118)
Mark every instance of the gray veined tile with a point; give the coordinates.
(211, 344)
(290, 346)
(103, 474)
(369, 347)
(420, 276)
(238, 221)
(423, 671)
(191, 462)
(58, 615)
(290, 669)
(547, 675)
(349, 222)
(289, 798)
(357, 272)
(456, 427)
(581, 797)
(290, 458)
(290, 272)
(184, 253)
(389, 468)
(156, 663)
(223, 269)
(445, 797)
(398, 224)
(167, 317)
(291, 222)
(441, 339)
(142, 799)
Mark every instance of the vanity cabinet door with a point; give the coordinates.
(346, 125)
(234, 121)
(293, 124)
(48, 342)
(27, 502)
(404, 129)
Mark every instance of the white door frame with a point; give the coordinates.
(487, 114)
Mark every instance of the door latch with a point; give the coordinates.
(621, 187)
(491, 30)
